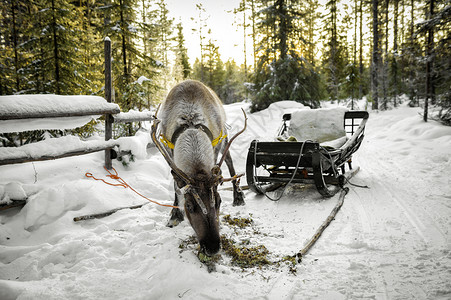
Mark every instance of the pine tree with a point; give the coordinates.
(233, 88)
(181, 53)
(201, 29)
(437, 58)
(160, 29)
(411, 57)
(282, 74)
(211, 72)
(129, 61)
(335, 56)
(311, 16)
(90, 46)
(9, 55)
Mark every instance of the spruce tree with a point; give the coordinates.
(335, 59)
(282, 74)
(129, 61)
(181, 53)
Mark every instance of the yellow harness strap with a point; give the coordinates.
(214, 142)
(218, 139)
(167, 142)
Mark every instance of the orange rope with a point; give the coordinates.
(125, 185)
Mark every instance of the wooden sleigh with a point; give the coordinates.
(271, 165)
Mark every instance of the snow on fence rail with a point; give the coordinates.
(25, 112)
(30, 109)
(133, 116)
(52, 149)
(33, 112)
(53, 106)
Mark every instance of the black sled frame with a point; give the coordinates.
(271, 165)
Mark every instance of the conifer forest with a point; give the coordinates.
(337, 50)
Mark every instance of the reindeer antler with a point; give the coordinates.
(188, 183)
(165, 153)
(232, 139)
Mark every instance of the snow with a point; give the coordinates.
(141, 79)
(53, 147)
(13, 190)
(36, 107)
(9, 126)
(134, 115)
(391, 241)
(41, 105)
(320, 125)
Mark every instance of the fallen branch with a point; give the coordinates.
(106, 214)
(15, 203)
(326, 223)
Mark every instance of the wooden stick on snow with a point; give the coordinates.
(107, 213)
(326, 223)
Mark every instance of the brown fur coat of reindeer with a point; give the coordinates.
(192, 136)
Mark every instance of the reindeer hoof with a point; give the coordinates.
(176, 218)
(238, 198)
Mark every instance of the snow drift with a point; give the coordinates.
(389, 241)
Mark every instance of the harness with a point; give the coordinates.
(182, 128)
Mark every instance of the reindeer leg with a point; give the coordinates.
(238, 196)
(177, 215)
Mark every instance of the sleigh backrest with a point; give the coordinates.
(319, 125)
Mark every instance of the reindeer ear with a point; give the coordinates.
(180, 183)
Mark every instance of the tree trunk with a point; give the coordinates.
(145, 34)
(361, 50)
(385, 60)
(375, 55)
(283, 28)
(124, 44)
(333, 50)
(55, 50)
(16, 55)
(244, 40)
(254, 33)
(412, 38)
(201, 38)
(354, 57)
(395, 52)
(429, 62)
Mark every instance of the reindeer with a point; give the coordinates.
(192, 135)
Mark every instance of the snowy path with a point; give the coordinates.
(391, 241)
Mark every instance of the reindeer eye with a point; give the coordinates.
(190, 207)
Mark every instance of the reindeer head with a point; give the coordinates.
(202, 200)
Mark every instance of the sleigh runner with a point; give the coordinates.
(314, 147)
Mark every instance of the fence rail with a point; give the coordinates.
(26, 107)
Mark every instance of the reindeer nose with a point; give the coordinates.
(211, 247)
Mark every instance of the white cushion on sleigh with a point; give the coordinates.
(323, 125)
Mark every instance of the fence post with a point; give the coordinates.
(108, 96)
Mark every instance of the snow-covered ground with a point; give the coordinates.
(391, 241)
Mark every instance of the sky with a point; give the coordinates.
(225, 32)
(227, 36)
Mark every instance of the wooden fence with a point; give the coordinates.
(61, 107)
